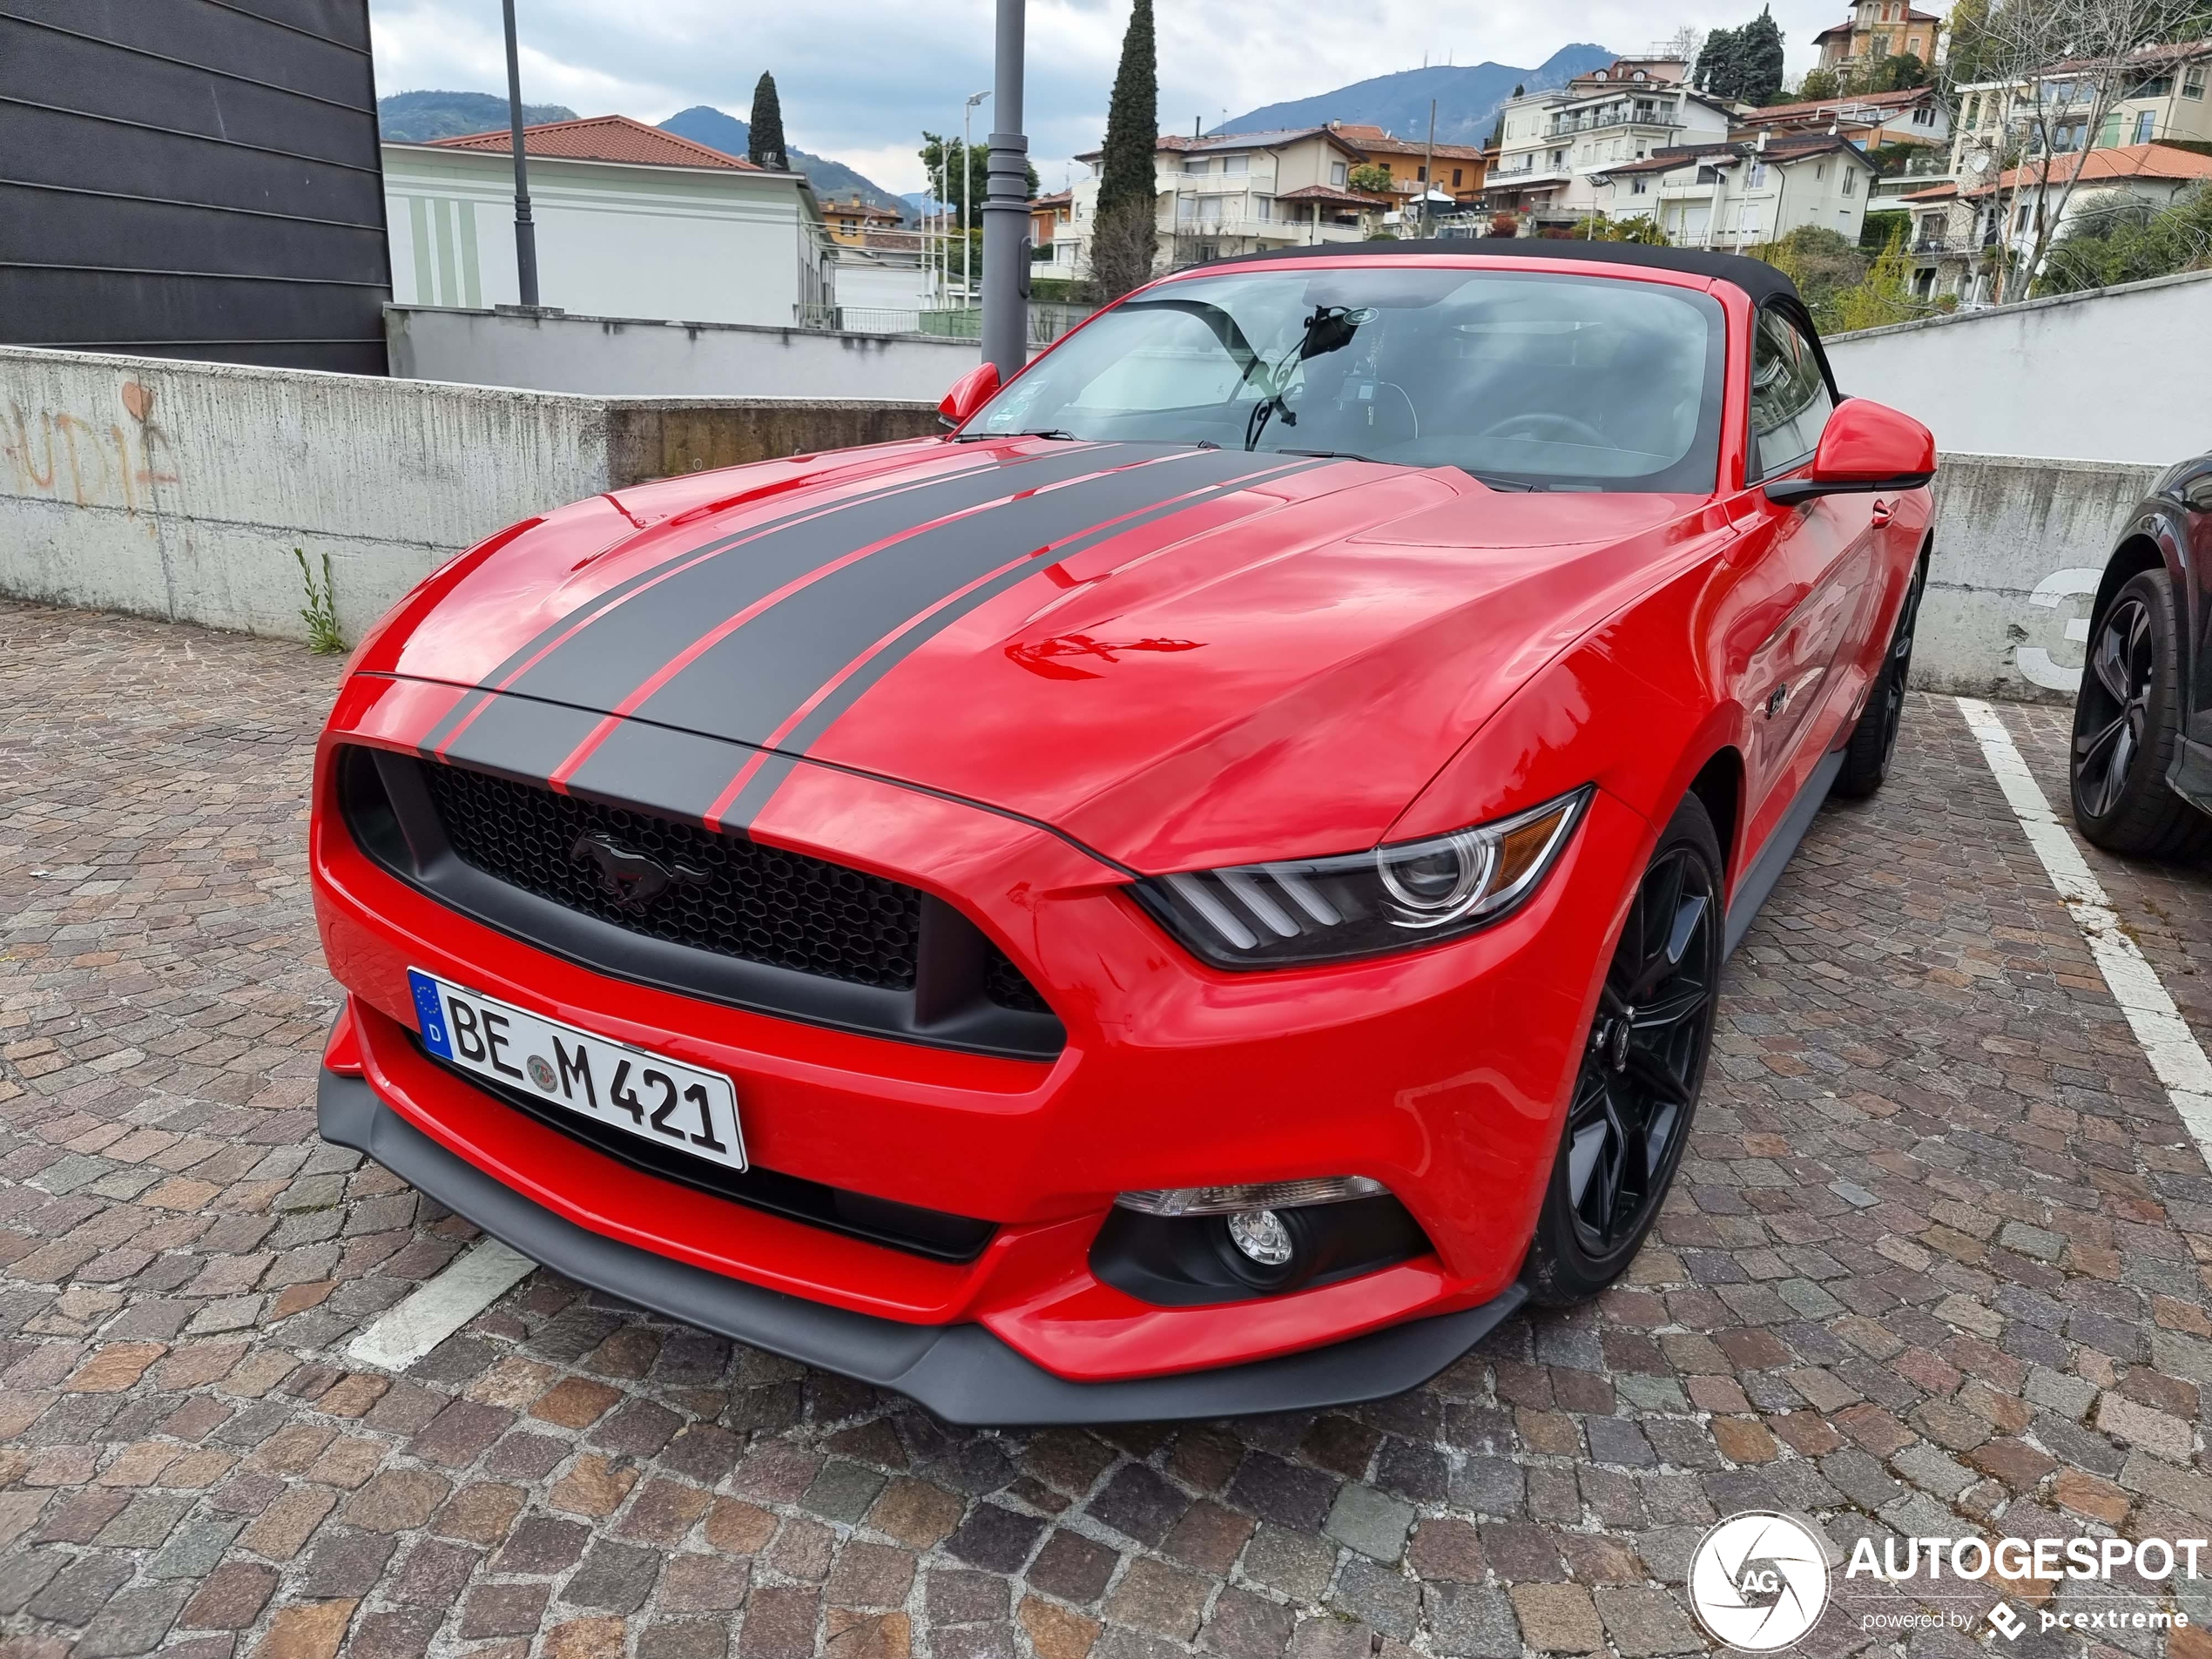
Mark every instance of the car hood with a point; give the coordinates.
(1177, 657)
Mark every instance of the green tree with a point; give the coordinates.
(1124, 239)
(1883, 296)
(1821, 263)
(1820, 86)
(1126, 174)
(1640, 227)
(956, 158)
(1971, 47)
(766, 149)
(1758, 54)
(1716, 68)
(1371, 176)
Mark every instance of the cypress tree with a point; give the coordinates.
(1132, 120)
(765, 148)
(1758, 58)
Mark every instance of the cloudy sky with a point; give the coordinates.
(860, 78)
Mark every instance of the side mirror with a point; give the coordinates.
(970, 392)
(1865, 447)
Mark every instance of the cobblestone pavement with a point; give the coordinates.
(1936, 1263)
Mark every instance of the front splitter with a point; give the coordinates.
(963, 1374)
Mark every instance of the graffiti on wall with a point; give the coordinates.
(114, 461)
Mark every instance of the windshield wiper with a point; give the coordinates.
(1489, 482)
(1321, 455)
(1060, 433)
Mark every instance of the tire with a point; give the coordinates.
(2127, 725)
(1635, 1095)
(1872, 743)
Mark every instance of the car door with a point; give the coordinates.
(2195, 491)
(1809, 593)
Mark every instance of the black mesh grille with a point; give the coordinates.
(733, 896)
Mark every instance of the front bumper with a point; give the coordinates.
(960, 1373)
(1442, 1074)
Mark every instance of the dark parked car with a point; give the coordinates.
(2143, 720)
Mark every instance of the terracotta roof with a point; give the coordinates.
(2128, 161)
(1799, 148)
(1905, 99)
(1330, 193)
(604, 137)
(1848, 25)
(1058, 199)
(1942, 193)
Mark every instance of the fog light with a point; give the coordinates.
(1261, 1238)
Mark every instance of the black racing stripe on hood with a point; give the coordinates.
(500, 678)
(625, 645)
(746, 685)
(678, 774)
(753, 797)
(519, 737)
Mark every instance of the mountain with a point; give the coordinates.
(1466, 96)
(703, 124)
(416, 118)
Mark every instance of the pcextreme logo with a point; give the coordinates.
(1759, 1581)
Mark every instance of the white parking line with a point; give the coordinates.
(2171, 1047)
(471, 1283)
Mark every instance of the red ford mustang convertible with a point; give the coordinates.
(1197, 892)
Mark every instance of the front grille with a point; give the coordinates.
(756, 903)
(717, 915)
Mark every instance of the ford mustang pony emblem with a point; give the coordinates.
(634, 880)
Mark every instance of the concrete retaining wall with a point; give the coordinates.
(2020, 546)
(621, 356)
(180, 490)
(2116, 375)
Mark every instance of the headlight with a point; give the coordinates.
(1363, 904)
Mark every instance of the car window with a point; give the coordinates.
(1542, 381)
(1170, 359)
(1790, 401)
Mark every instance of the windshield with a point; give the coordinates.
(1527, 381)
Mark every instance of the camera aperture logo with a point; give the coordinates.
(1759, 1581)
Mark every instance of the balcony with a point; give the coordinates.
(1662, 119)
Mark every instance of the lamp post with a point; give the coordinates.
(1006, 207)
(525, 232)
(967, 172)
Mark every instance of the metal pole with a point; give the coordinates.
(525, 232)
(967, 208)
(1006, 207)
(1428, 168)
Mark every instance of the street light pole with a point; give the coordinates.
(966, 212)
(525, 232)
(1006, 207)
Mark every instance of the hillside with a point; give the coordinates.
(416, 118)
(703, 124)
(1467, 96)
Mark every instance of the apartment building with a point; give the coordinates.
(1879, 29)
(1243, 193)
(1551, 146)
(1455, 170)
(1736, 194)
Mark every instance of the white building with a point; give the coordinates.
(631, 222)
(1553, 146)
(1243, 193)
(1737, 195)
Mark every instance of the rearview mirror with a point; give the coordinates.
(1865, 447)
(970, 392)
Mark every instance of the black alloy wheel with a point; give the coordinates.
(1642, 1067)
(1872, 744)
(2127, 723)
(2117, 683)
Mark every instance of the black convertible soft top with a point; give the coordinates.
(1756, 277)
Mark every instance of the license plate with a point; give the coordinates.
(644, 1094)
